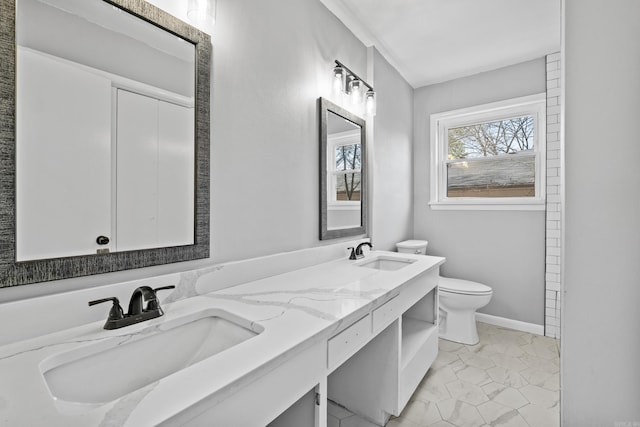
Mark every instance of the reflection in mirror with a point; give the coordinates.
(105, 138)
(343, 173)
(343, 189)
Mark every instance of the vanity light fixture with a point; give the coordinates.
(202, 12)
(361, 95)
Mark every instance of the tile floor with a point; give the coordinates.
(509, 379)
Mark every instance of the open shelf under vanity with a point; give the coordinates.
(378, 380)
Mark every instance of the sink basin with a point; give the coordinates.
(103, 371)
(386, 263)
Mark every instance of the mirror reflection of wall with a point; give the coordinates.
(104, 131)
(344, 173)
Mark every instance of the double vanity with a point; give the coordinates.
(267, 352)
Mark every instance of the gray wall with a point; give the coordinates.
(393, 154)
(271, 61)
(601, 324)
(504, 249)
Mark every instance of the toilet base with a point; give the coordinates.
(459, 327)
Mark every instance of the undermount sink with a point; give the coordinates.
(103, 371)
(386, 263)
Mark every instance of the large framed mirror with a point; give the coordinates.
(104, 138)
(343, 172)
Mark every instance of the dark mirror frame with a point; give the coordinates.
(324, 107)
(14, 273)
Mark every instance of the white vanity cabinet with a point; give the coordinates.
(378, 380)
(371, 365)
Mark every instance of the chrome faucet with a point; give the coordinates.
(143, 306)
(357, 252)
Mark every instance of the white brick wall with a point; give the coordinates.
(554, 207)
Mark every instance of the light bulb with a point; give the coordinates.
(339, 76)
(355, 92)
(202, 12)
(370, 102)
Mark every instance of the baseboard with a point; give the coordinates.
(532, 328)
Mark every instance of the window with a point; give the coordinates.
(344, 160)
(490, 156)
(348, 172)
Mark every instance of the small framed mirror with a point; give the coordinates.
(343, 172)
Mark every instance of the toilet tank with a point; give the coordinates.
(413, 247)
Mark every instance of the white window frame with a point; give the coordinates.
(334, 141)
(534, 105)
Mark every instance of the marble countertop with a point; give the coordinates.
(294, 311)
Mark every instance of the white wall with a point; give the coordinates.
(271, 61)
(504, 249)
(393, 153)
(601, 322)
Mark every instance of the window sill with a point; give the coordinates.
(347, 206)
(481, 205)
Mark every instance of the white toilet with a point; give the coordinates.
(459, 299)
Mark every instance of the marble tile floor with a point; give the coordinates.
(510, 378)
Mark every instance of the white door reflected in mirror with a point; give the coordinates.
(105, 141)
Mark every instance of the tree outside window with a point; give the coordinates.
(348, 158)
(477, 165)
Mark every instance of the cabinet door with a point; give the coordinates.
(63, 158)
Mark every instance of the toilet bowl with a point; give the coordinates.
(459, 299)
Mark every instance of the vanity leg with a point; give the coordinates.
(321, 403)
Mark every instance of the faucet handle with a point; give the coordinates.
(116, 312)
(144, 299)
(154, 304)
(353, 253)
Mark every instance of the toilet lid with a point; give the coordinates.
(412, 244)
(459, 286)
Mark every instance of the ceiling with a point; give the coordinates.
(431, 41)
